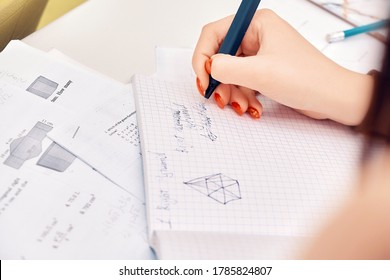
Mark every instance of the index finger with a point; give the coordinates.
(210, 40)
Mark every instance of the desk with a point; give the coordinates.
(118, 37)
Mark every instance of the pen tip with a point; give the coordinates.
(209, 91)
(211, 87)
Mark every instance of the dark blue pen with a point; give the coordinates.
(235, 34)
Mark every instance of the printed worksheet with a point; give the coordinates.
(104, 133)
(52, 205)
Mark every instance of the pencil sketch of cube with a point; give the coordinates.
(219, 187)
(43, 87)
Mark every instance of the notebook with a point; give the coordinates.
(220, 186)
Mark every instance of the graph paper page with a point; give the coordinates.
(207, 169)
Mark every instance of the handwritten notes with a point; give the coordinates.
(208, 170)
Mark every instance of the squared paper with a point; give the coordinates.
(208, 170)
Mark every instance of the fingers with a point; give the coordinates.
(222, 95)
(273, 59)
(242, 100)
(252, 70)
(238, 101)
(255, 109)
(208, 44)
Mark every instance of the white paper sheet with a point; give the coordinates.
(46, 214)
(43, 218)
(104, 131)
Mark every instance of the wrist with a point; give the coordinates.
(351, 97)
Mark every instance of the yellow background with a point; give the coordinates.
(56, 8)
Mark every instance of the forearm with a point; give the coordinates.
(350, 95)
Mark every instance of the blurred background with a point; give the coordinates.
(19, 18)
(56, 8)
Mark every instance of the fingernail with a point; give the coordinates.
(219, 100)
(237, 108)
(207, 66)
(253, 113)
(199, 85)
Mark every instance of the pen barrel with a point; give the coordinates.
(234, 36)
(366, 28)
(238, 28)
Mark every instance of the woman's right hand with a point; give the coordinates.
(275, 60)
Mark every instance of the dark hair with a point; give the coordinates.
(377, 121)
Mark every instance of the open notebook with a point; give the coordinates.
(223, 186)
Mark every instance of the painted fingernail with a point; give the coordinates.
(219, 100)
(199, 85)
(253, 113)
(207, 66)
(237, 108)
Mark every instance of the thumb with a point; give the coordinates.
(246, 71)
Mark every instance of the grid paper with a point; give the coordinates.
(208, 170)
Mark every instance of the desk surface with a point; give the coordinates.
(118, 38)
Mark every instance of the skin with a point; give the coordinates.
(276, 61)
(361, 229)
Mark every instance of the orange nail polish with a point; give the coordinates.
(207, 66)
(199, 85)
(253, 113)
(219, 100)
(237, 108)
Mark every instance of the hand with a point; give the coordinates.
(276, 61)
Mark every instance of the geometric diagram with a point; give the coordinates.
(219, 187)
(43, 87)
(28, 146)
(56, 158)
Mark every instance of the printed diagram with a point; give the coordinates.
(219, 187)
(30, 146)
(56, 158)
(43, 87)
(27, 147)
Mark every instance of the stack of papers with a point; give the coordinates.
(81, 195)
